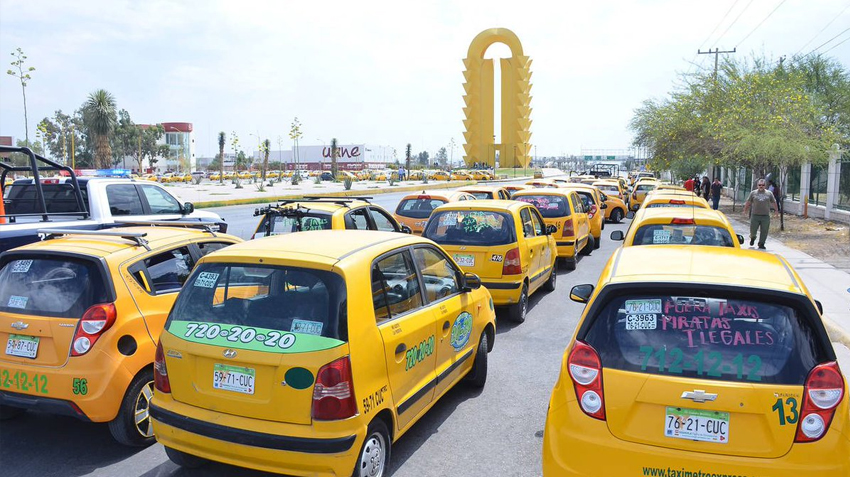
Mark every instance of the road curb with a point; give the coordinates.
(836, 333)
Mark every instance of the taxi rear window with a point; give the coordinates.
(285, 299)
(645, 187)
(470, 227)
(281, 224)
(719, 338)
(663, 234)
(655, 205)
(418, 208)
(57, 286)
(548, 205)
(482, 195)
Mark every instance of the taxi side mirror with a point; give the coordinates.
(581, 293)
(630, 215)
(603, 206)
(820, 306)
(618, 235)
(550, 229)
(740, 239)
(470, 281)
(406, 230)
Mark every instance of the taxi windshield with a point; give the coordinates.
(470, 227)
(657, 234)
(548, 205)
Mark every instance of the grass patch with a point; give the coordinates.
(515, 172)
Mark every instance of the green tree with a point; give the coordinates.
(221, 138)
(407, 152)
(267, 145)
(295, 134)
(334, 155)
(442, 157)
(146, 145)
(422, 158)
(100, 120)
(23, 74)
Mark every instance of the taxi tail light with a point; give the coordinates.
(677, 202)
(512, 264)
(823, 392)
(683, 222)
(568, 230)
(333, 393)
(585, 370)
(593, 209)
(160, 372)
(95, 321)
(424, 197)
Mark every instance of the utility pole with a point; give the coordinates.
(716, 54)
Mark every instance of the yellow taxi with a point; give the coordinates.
(245, 175)
(684, 226)
(272, 174)
(513, 188)
(440, 176)
(215, 176)
(564, 210)
(479, 175)
(364, 175)
(343, 175)
(273, 357)
(679, 367)
(461, 176)
(167, 177)
(505, 242)
(538, 175)
(81, 316)
(324, 213)
(641, 188)
(542, 183)
(413, 210)
(595, 207)
(671, 187)
(487, 192)
(615, 206)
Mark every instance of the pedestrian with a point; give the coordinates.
(706, 187)
(689, 184)
(716, 188)
(697, 186)
(762, 203)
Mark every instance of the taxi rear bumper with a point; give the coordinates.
(503, 293)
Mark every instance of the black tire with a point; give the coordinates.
(374, 457)
(549, 286)
(589, 246)
(183, 459)
(10, 412)
(597, 242)
(517, 311)
(127, 428)
(478, 374)
(617, 215)
(570, 263)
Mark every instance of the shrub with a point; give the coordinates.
(347, 183)
(317, 180)
(295, 179)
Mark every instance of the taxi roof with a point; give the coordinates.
(485, 204)
(711, 265)
(661, 214)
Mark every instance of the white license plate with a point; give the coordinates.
(465, 260)
(697, 425)
(234, 378)
(23, 346)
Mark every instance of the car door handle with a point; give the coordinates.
(400, 349)
(446, 326)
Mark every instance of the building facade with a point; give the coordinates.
(180, 138)
(350, 157)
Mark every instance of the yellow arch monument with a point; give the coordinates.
(516, 102)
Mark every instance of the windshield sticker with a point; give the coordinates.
(641, 322)
(461, 330)
(21, 266)
(17, 302)
(643, 306)
(308, 327)
(250, 338)
(660, 236)
(206, 280)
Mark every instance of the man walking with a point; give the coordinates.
(716, 188)
(762, 203)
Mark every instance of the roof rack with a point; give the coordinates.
(137, 237)
(334, 199)
(205, 226)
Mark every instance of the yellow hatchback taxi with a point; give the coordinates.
(80, 316)
(563, 210)
(674, 225)
(324, 213)
(595, 207)
(413, 210)
(309, 354)
(505, 242)
(679, 367)
(667, 198)
(616, 208)
(639, 192)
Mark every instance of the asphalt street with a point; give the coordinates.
(494, 431)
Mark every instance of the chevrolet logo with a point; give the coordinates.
(229, 353)
(699, 396)
(20, 325)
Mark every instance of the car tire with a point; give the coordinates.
(617, 215)
(10, 412)
(597, 242)
(185, 460)
(478, 374)
(549, 286)
(570, 263)
(126, 428)
(517, 311)
(589, 246)
(374, 457)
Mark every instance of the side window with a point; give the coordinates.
(168, 271)
(438, 273)
(161, 202)
(356, 219)
(210, 247)
(576, 205)
(395, 286)
(525, 217)
(537, 223)
(382, 221)
(124, 200)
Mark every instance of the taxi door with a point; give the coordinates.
(453, 315)
(536, 242)
(545, 243)
(408, 332)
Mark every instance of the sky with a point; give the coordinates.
(384, 73)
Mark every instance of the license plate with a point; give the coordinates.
(234, 378)
(465, 260)
(23, 346)
(697, 425)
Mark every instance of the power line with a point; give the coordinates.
(718, 24)
(828, 41)
(734, 22)
(822, 29)
(835, 45)
(762, 22)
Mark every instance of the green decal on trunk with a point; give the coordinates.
(247, 337)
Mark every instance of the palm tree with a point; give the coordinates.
(221, 138)
(407, 151)
(334, 154)
(100, 120)
(267, 145)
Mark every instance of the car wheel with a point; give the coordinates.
(183, 459)
(375, 453)
(478, 374)
(570, 263)
(10, 412)
(597, 242)
(617, 216)
(132, 426)
(589, 246)
(517, 311)
(549, 286)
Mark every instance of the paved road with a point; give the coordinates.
(496, 431)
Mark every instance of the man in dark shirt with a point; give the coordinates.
(716, 188)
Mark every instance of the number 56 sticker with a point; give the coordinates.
(80, 386)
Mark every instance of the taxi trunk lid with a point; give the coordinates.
(486, 262)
